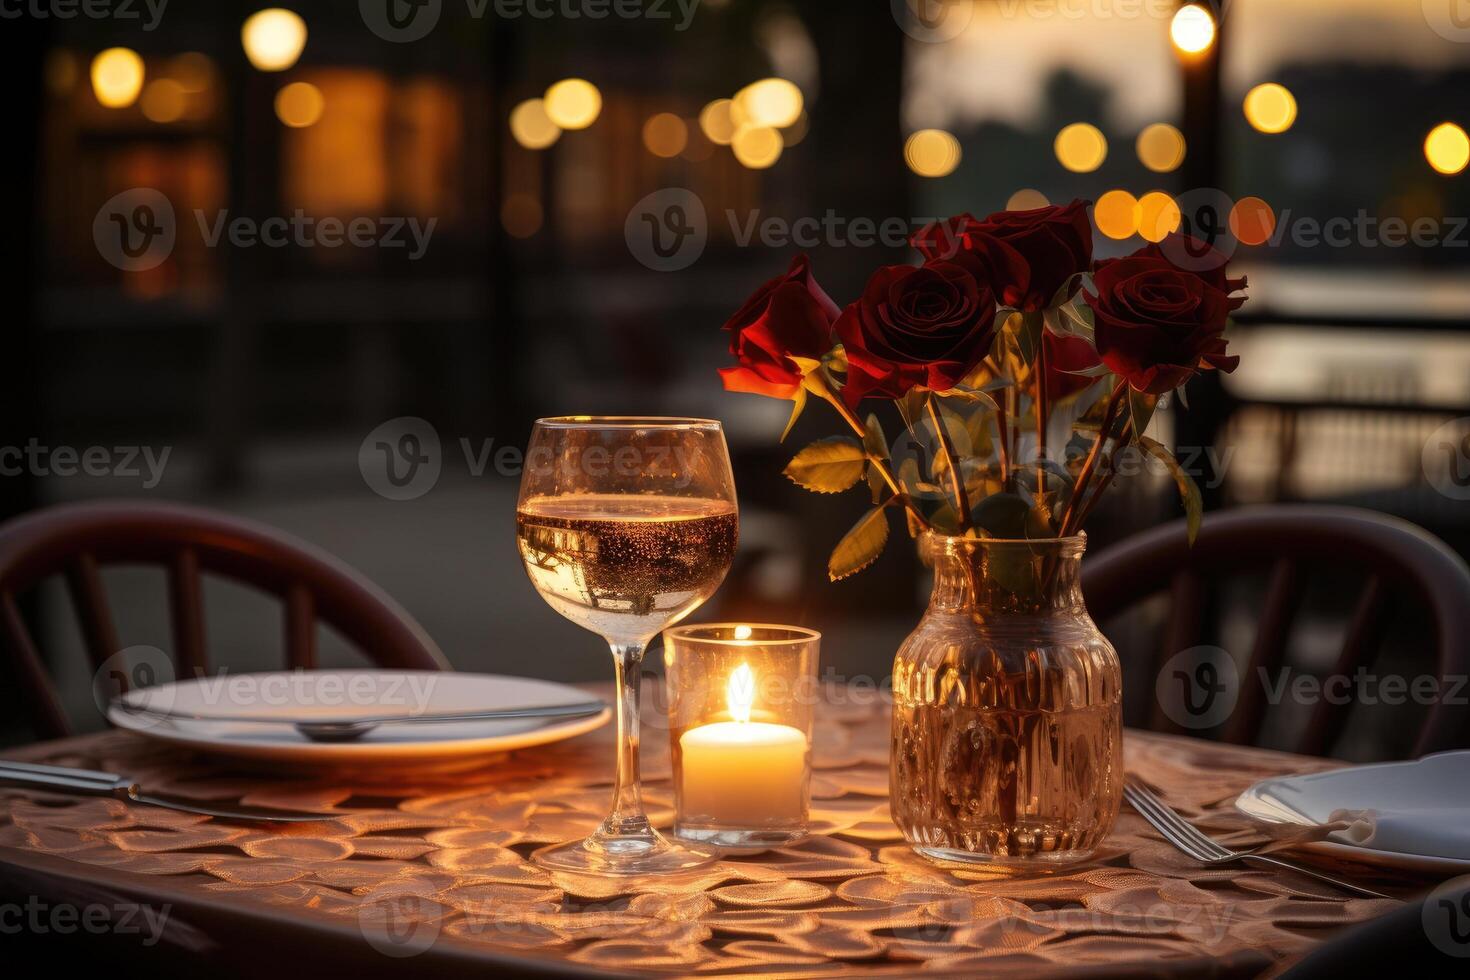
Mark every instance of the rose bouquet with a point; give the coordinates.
(1019, 368)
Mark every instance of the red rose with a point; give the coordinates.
(916, 326)
(1063, 356)
(1157, 324)
(790, 315)
(1027, 256)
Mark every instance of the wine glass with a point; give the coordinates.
(626, 525)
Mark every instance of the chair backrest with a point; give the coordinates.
(77, 540)
(1398, 562)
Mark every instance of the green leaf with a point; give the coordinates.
(798, 403)
(1025, 330)
(1141, 407)
(1194, 506)
(876, 444)
(1072, 319)
(828, 465)
(861, 546)
(1003, 515)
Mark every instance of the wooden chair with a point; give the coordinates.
(78, 540)
(1402, 567)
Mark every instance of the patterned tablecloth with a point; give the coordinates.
(422, 862)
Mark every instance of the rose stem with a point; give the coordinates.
(1090, 464)
(962, 499)
(1043, 411)
(1106, 479)
(833, 399)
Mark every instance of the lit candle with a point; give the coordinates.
(744, 773)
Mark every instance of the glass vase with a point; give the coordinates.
(1007, 712)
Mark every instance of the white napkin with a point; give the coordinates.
(1433, 831)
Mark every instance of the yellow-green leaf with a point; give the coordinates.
(1194, 506)
(1141, 407)
(828, 465)
(861, 546)
(798, 402)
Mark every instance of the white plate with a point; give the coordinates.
(340, 694)
(1435, 781)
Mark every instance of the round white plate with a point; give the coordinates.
(1310, 801)
(345, 694)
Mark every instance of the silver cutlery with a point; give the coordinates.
(89, 782)
(347, 729)
(1193, 842)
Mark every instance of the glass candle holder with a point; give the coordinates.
(740, 726)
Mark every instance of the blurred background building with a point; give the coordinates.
(508, 170)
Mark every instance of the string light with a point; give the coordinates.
(273, 38)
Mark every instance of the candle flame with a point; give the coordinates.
(740, 693)
(742, 632)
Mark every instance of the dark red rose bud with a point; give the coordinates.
(789, 315)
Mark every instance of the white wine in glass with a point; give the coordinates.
(625, 526)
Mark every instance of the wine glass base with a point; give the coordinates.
(620, 857)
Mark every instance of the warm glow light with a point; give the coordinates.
(1252, 221)
(163, 101)
(273, 38)
(772, 102)
(194, 71)
(117, 77)
(796, 132)
(1270, 108)
(1160, 148)
(1447, 148)
(1116, 214)
(573, 103)
(1158, 215)
(521, 215)
(932, 153)
(740, 693)
(1081, 148)
(300, 104)
(743, 632)
(717, 122)
(1027, 199)
(1193, 29)
(665, 135)
(532, 127)
(757, 147)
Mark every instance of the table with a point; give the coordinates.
(426, 872)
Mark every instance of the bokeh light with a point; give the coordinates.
(300, 104)
(1158, 215)
(1027, 199)
(573, 103)
(665, 135)
(163, 101)
(717, 122)
(193, 70)
(532, 127)
(521, 215)
(1116, 214)
(1081, 148)
(1160, 148)
(796, 132)
(1270, 108)
(273, 38)
(757, 147)
(117, 77)
(1447, 148)
(1192, 29)
(932, 153)
(1252, 221)
(772, 102)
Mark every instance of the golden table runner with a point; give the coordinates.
(417, 859)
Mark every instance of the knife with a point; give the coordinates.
(89, 782)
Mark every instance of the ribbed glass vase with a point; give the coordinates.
(1007, 721)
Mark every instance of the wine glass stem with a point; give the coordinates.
(627, 823)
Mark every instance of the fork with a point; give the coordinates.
(1192, 841)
